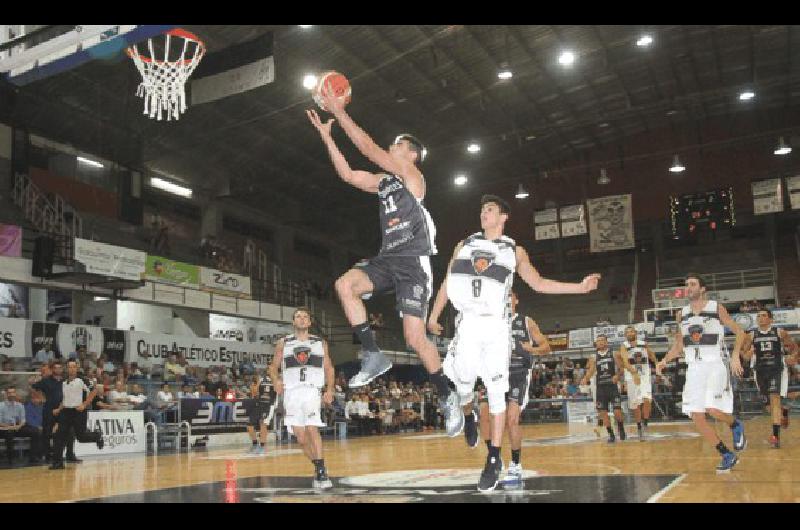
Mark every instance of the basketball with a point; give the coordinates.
(339, 84)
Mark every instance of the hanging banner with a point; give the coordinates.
(14, 337)
(44, 340)
(223, 327)
(10, 241)
(224, 282)
(573, 220)
(545, 224)
(148, 349)
(70, 337)
(557, 341)
(581, 338)
(123, 432)
(114, 345)
(781, 318)
(610, 223)
(767, 196)
(165, 270)
(110, 260)
(793, 189)
(211, 416)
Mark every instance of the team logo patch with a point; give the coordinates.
(418, 291)
(481, 260)
(301, 353)
(695, 333)
(393, 221)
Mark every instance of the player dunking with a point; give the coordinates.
(262, 391)
(772, 376)
(708, 386)
(634, 357)
(403, 263)
(478, 282)
(306, 368)
(607, 397)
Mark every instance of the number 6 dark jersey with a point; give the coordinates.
(406, 226)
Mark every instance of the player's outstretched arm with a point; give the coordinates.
(674, 352)
(725, 318)
(440, 301)
(275, 366)
(591, 368)
(531, 276)
(363, 180)
(330, 378)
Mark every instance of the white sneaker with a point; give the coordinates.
(453, 414)
(514, 473)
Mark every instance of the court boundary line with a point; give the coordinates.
(663, 491)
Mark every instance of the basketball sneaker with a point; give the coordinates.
(259, 450)
(471, 431)
(321, 481)
(453, 414)
(785, 418)
(491, 474)
(252, 450)
(641, 433)
(775, 442)
(513, 473)
(728, 461)
(622, 435)
(373, 364)
(739, 439)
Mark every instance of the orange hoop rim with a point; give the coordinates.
(177, 32)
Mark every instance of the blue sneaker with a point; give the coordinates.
(728, 461)
(739, 439)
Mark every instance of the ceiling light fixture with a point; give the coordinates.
(677, 167)
(644, 40)
(473, 148)
(567, 58)
(309, 81)
(304, 27)
(89, 162)
(460, 180)
(522, 193)
(603, 178)
(170, 187)
(747, 95)
(782, 148)
(505, 74)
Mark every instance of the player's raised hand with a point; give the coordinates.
(736, 366)
(660, 367)
(435, 328)
(323, 128)
(331, 101)
(589, 283)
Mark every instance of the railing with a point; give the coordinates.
(50, 217)
(727, 280)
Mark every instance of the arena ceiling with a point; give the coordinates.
(437, 82)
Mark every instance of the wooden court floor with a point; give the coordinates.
(561, 465)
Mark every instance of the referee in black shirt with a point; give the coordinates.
(69, 415)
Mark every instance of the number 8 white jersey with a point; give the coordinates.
(302, 363)
(481, 276)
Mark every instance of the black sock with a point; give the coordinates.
(488, 444)
(722, 449)
(494, 452)
(785, 412)
(255, 442)
(439, 380)
(776, 430)
(639, 425)
(469, 418)
(515, 455)
(610, 431)
(620, 426)
(365, 336)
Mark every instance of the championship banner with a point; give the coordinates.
(793, 189)
(223, 327)
(70, 337)
(114, 345)
(10, 241)
(123, 432)
(573, 220)
(610, 223)
(14, 337)
(545, 224)
(781, 318)
(110, 260)
(767, 196)
(224, 282)
(581, 338)
(211, 416)
(557, 341)
(148, 349)
(163, 270)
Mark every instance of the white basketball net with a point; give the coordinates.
(163, 81)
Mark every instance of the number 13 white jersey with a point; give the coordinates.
(481, 276)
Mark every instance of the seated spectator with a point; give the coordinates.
(33, 416)
(134, 372)
(137, 398)
(100, 400)
(173, 371)
(165, 398)
(203, 392)
(43, 356)
(185, 392)
(119, 396)
(12, 425)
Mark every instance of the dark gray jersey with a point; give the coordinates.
(606, 367)
(406, 226)
(768, 349)
(521, 360)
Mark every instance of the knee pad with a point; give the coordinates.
(497, 402)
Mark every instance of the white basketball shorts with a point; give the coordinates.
(638, 393)
(708, 386)
(480, 348)
(303, 405)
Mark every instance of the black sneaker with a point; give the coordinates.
(73, 460)
(100, 442)
(490, 476)
(622, 435)
(612, 439)
(471, 431)
(57, 465)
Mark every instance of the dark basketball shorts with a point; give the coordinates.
(607, 395)
(518, 388)
(262, 410)
(408, 276)
(772, 382)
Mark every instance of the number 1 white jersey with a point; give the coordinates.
(481, 276)
(303, 362)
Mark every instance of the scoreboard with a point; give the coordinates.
(706, 210)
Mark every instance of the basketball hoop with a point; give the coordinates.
(163, 81)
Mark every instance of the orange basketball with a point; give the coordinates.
(337, 82)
